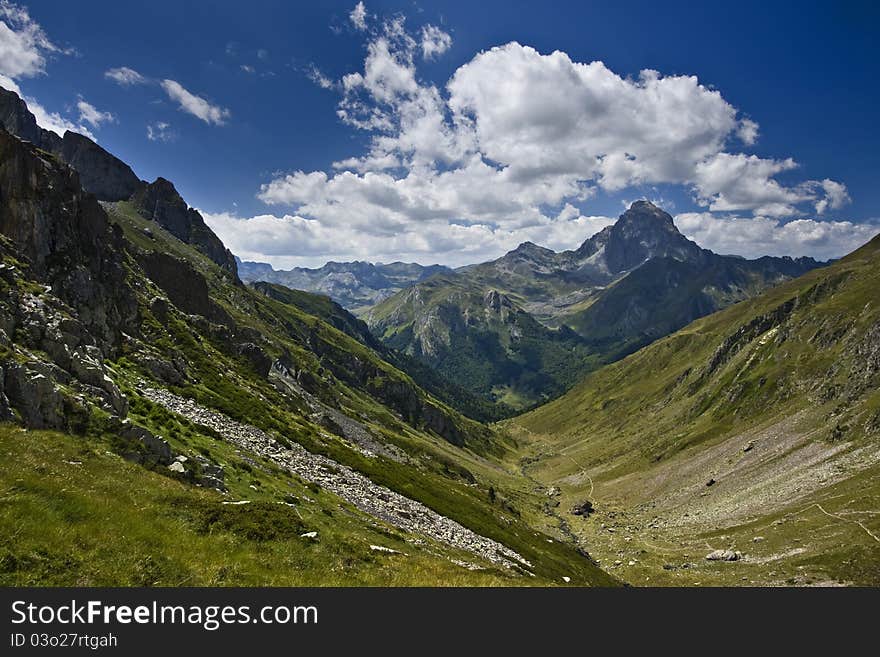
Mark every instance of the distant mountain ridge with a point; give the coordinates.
(355, 285)
(629, 284)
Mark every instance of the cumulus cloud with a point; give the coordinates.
(434, 41)
(160, 131)
(9, 84)
(748, 131)
(54, 121)
(835, 196)
(292, 240)
(195, 105)
(125, 76)
(24, 45)
(358, 16)
(90, 114)
(757, 236)
(511, 148)
(24, 51)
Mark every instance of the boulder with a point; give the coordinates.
(257, 358)
(584, 509)
(724, 555)
(210, 475)
(35, 396)
(155, 447)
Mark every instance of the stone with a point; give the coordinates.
(584, 509)
(152, 445)
(259, 359)
(177, 466)
(309, 535)
(35, 396)
(159, 308)
(723, 555)
(210, 475)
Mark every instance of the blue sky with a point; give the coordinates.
(755, 128)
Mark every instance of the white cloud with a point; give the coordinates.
(24, 49)
(835, 196)
(195, 105)
(315, 75)
(434, 41)
(125, 76)
(9, 84)
(509, 148)
(90, 114)
(24, 45)
(247, 68)
(540, 113)
(54, 121)
(748, 131)
(160, 131)
(757, 236)
(727, 182)
(292, 240)
(358, 16)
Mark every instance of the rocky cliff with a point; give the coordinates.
(160, 202)
(102, 174)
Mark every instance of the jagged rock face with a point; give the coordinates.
(185, 287)
(644, 232)
(160, 202)
(65, 236)
(102, 174)
(54, 363)
(17, 119)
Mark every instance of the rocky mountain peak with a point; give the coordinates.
(160, 202)
(100, 172)
(641, 233)
(530, 249)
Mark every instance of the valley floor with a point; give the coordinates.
(803, 515)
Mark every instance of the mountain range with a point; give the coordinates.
(164, 422)
(528, 325)
(356, 285)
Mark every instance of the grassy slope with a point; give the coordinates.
(454, 481)
(642, 437)
(76, 514)
(515, 361)
(467, 403)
